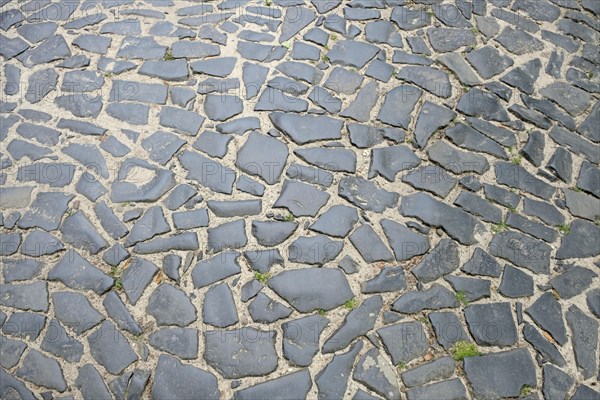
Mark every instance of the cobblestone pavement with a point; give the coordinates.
(288, 199)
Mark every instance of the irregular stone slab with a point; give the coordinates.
(215, 269)
(138, 92)
(518, 41)
(170, 306)
(399, 103)
(480, 104)
(388, 161)
(376, 373)
(582, 205)
(59, 343)
(133, 383)
(522, 250)
(234, 356)
(445, 40)
(292, 386)
(410, 19)
(179, 196)
(451, 389)
(357, 323)
(579, 242)
(172, 70)
(11, 385)
(90, 383)
(369, 245)
(314, 250)
(134, 114)
(207, 172)
(21, 269)
(78, 231)
(459, 225)
(533, 228)
(267, 165)
(40, 84)
(405, 341)
(431, 79)
(488, 61)
(351, 53)
(366, 195)
(179, 241)
(455, 160)
(341, 80)
(584, 337)
(524, 77)
(515, 283)
(572, 282)
(230, 235)
(53, 174)
(546, 349)
(77, 273)
(122, 191)
(24, 325)
(41, 370)
(491, 324)
(142, 47)
(572, 99)
(468, 138)
(303, 129)
(575, 143)
(390, 279)
(337, 221)
(544, 211)
(442, 260)
(363, 136)
(517, 177)
(448, 328)
(235, 208)
(169, 371)
(265, 310)
(116, 310)
(432, 179)
(365, 100)
(51, 49)
(93, 43)
(27, 296)
(137, 277)
(272, 233)
(556, 382)
(74, 311)
(309, 289)
(181, 342)
(182, 121)
(152, 223)
(441, 368)
(161, 146)
(276, 100)
(15, 197)
(110, 348)
(222, 107)
(213, 143)
(301, 72)
(329, 158)
(296, 19)
(547, 313)
(434, 298)
(332, 380)
(301, 199)
(300, 339)
(10, 243)
(219, 307)
(512, 370)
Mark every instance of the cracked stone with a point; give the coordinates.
(299, 344)
(547, 313)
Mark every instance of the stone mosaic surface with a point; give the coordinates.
(288, 199)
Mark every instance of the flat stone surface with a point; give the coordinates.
(434, 298)
(169, 370)
(369, 244)
(546, 311)
(491, 324)
(170, 306)
(113, 354)
(522, 251)
(376, 373)
(294, 385)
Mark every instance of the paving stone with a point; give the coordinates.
(301, 199)
(314, 250)
(51, 49)
(300, 339)
(181, 342)
(512, 369)
(28, 296)
(24, 325)
(360, 108)
(220, 178)
(556, 382)
(272, 233)
(268, 166)
(266, 310)
(219, 309)
(351, 53)
(143, 47)
(390, 279)
(184, 122)
(436, 213)
(398, 105)
(169, 371)
(20, 269)
(12, 386)
(110, 348)
(337, 221)
(90, 383)
(431, 178)
(342, 80)
(215, 269)
(533, 228)
(137, 277)
(430, 79)
(170, 306)
(584, 331)
(152, 223)
(74, 311)
(303, 129)
(404, 341)
(117, 311)
(451, 389)
(78, 231)
(388, 161)
(581, 204)
(11, 352)
(294, 385)
(479, 206)
(491, 324)
(366, 195)
(434, 298)
(545, 348)
(230, 235)
(77, 273)
(178, 241)
(405, 243)
(332, 380)
(547, 313)
(442, 260)
(43, 371)
(572, 282)
(515, 283)
(522, 251)
(221, 348)
(331, 159)
(377, 374)
(448, 330)
(53, 174)
(584, 392)
(309, 289)
(369, 244)
(357, 323)
(409, 19)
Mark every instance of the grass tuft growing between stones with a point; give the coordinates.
(564, 228)
(501, 227)
(351, 304)
(262, 278)
(462, 349)
(461, 297)
(525, 391)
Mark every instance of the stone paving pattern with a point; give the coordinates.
(290, 199)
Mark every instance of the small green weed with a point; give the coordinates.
(525, 390)
(262, 277)
(351, 304)
(462, 349)
(288, 218)
(321, 312)
(564, 228)
(501, 227)
(168, 56)
(461, 297)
